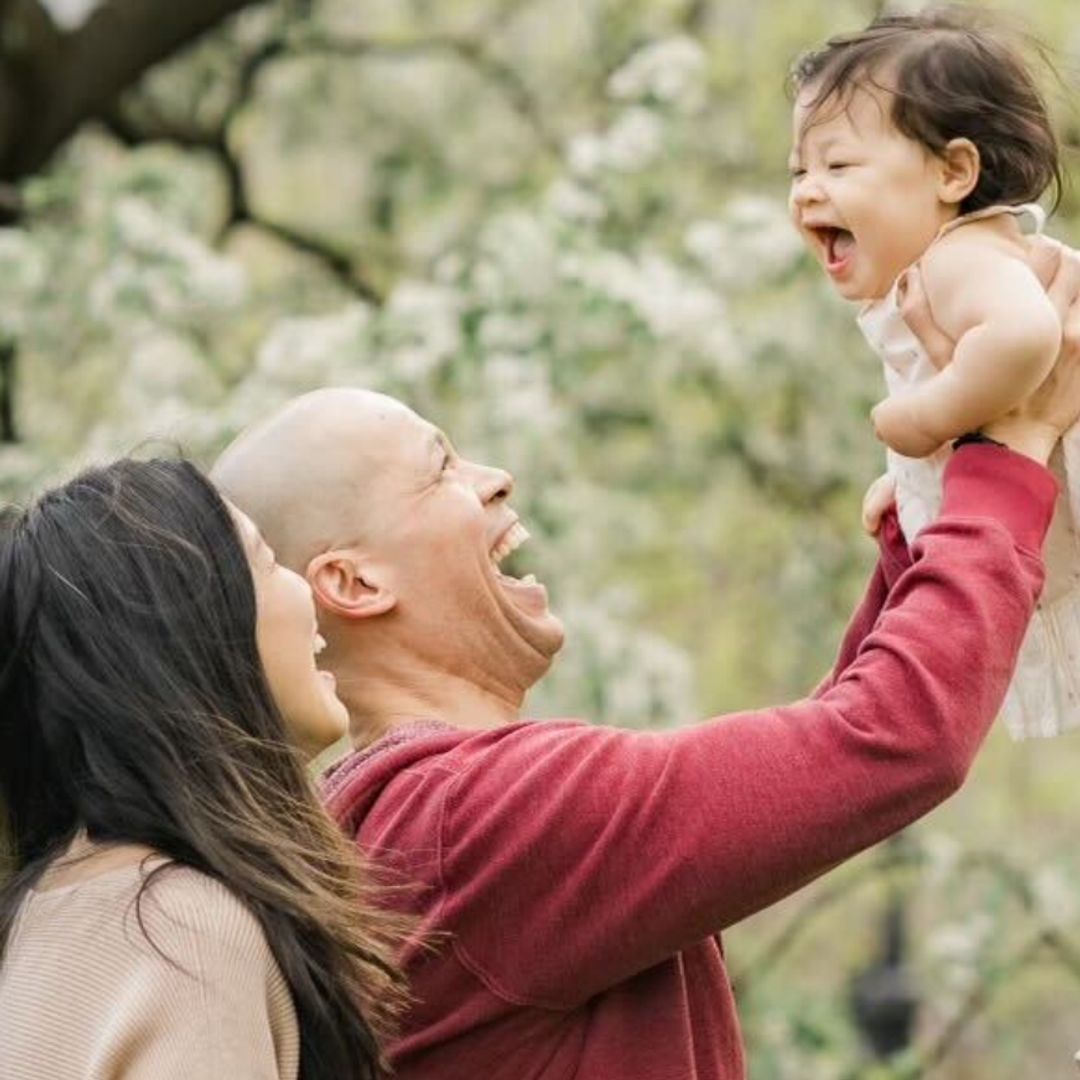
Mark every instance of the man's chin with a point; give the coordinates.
(554, 635)
(533, 621)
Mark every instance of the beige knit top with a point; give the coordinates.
(85, 996)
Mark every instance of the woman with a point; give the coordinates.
(178, 904)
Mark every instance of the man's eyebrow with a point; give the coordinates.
(436, 441)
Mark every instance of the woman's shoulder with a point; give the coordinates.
(192, 909)
(157, 904)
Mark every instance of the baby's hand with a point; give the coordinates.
(880, 495)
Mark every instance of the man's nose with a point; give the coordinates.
(494, 485)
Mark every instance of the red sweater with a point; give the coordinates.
(582, 874)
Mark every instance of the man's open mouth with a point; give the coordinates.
(527, 593)
(506, 545)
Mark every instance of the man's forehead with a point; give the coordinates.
(396, 444)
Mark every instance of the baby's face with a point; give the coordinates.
(864, 196)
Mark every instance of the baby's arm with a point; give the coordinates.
(1007, 335)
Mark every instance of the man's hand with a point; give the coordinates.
(1057, 275)
(1035, 426)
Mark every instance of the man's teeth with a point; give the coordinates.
(514, 537)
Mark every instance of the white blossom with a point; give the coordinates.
(70, 14)
(634, 141)
(586, 154)
(518, 259)
(672, 304)
(574, 202)
(421, 328)
(1055, 897)
(23, 271)
(519, 388)
(302, 353)
(506, 331)
(957, 948)
(158, 270)
(752, 242)
(671, 71)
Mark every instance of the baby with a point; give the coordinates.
(923, 140)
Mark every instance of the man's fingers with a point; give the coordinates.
(915, 311)
(1044, 258)
(1065, 284)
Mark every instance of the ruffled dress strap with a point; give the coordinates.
(1031, 218)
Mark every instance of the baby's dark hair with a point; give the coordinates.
(951, 72)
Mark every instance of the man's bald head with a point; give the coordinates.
(304, 473)
(375, 507)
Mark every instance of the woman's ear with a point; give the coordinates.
(348, 585)
(959, 170)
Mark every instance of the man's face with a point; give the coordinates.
(438, 525)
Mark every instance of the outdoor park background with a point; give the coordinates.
(558, 229)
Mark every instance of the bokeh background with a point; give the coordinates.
(558, 229)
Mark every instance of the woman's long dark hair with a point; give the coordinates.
(133, 704)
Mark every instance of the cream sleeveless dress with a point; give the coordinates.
(1044, 697)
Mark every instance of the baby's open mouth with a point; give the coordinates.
(837, 244)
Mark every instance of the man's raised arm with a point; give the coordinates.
(624, 848)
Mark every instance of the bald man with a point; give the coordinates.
(578, 877)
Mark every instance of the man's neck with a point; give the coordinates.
(379, 704)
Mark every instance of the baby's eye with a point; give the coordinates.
(797, 173)
(834, 165)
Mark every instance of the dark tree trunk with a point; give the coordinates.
(8, 431)
(51, 81)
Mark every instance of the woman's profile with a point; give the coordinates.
(176, 902)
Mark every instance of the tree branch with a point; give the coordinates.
(55, 93)
(472, 51)
(8, 431)
(336, 263)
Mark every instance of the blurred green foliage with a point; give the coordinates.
(558, 229)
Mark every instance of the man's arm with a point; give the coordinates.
(894, 557)
(581, 855)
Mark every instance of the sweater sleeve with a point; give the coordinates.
(208, 1000)
(893, 559)
(575, 857)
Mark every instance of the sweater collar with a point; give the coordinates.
(338, 774)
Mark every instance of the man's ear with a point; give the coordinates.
(959, 170)
(348, 585)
